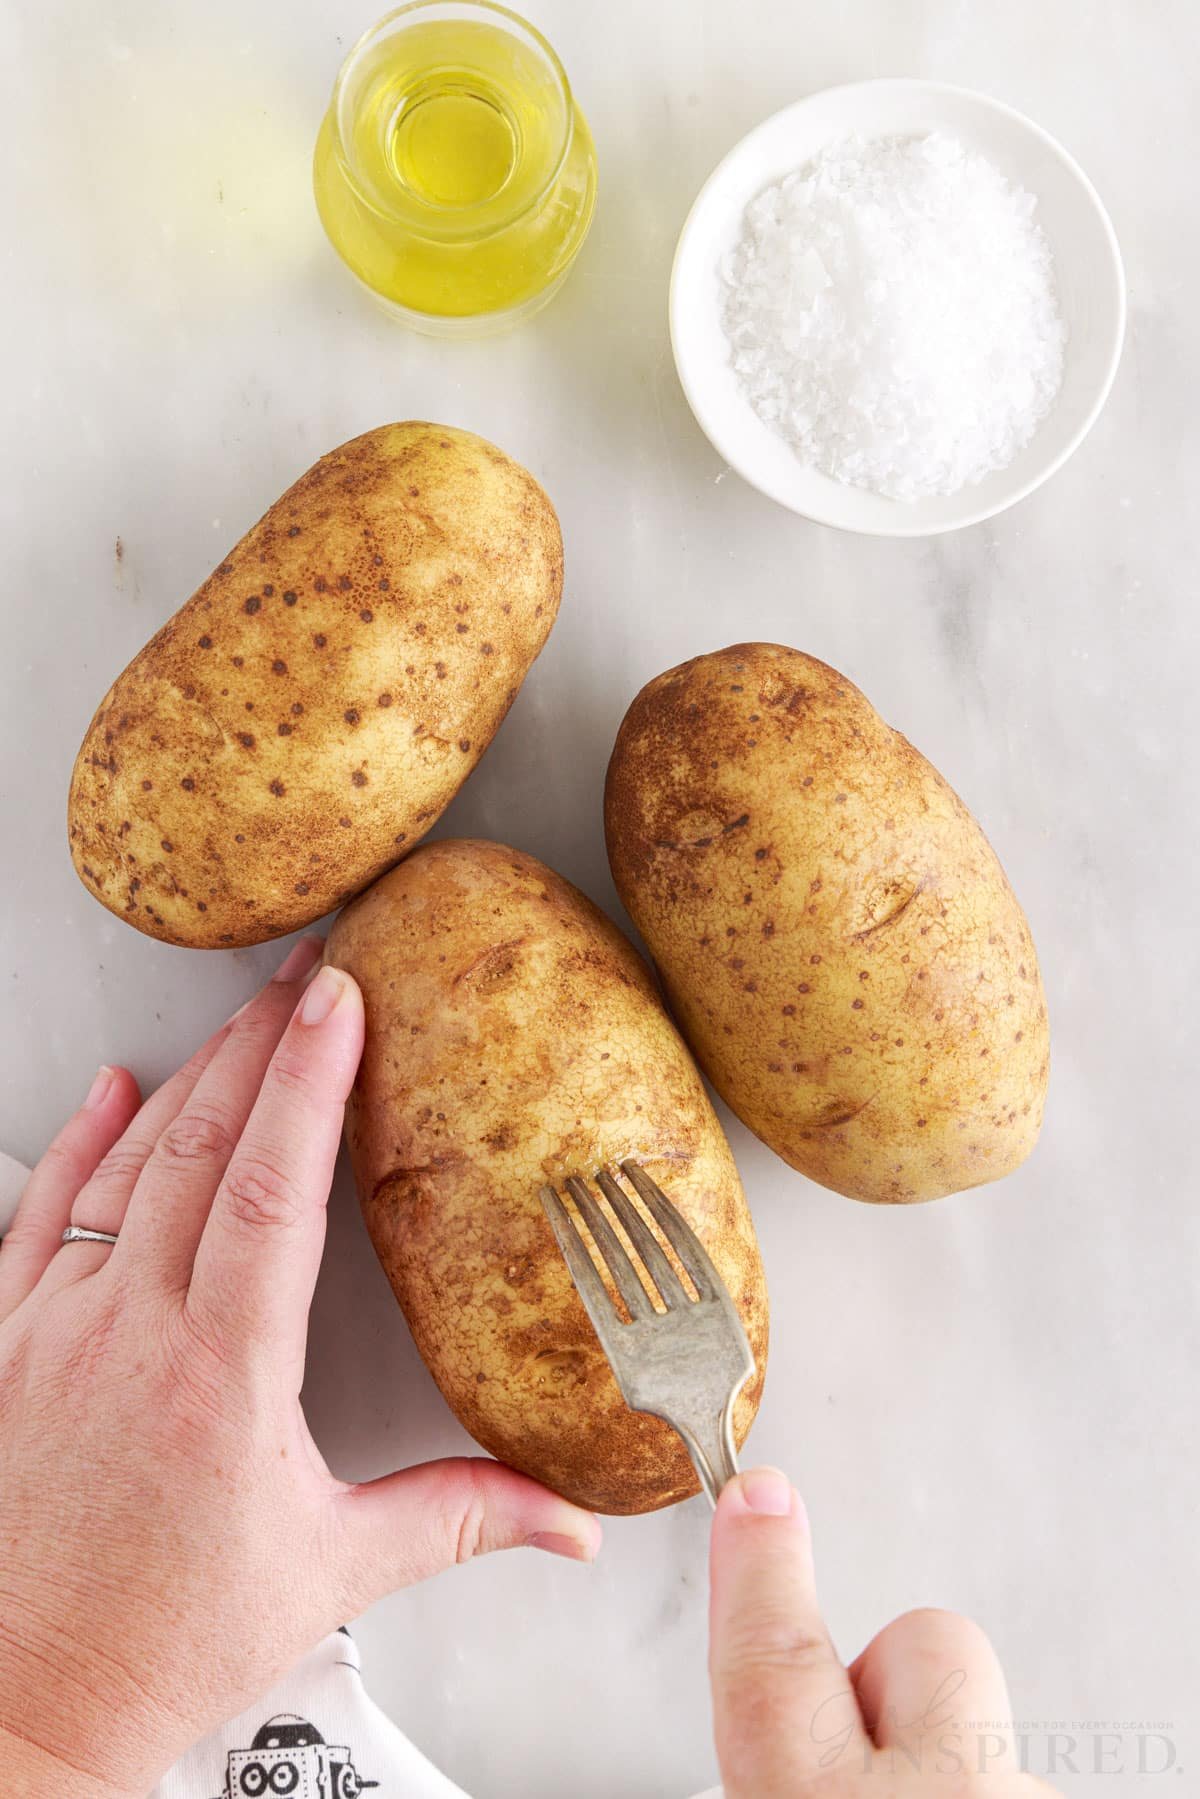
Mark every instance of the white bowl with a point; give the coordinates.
(1088, 272)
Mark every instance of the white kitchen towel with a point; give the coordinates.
(316, 1734)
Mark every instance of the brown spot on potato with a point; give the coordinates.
(366, 615)
(359, 778)
(350, 715)
(342, 523)
(277, 788)
(385, 700)
(289, 598)
(187, 784)
(253, 604)
(279, 666)
(205, 642)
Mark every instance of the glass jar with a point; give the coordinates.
(454, 173)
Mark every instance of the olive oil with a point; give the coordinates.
(453, 172)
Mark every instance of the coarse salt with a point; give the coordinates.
(891, 313)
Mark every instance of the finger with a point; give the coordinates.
(930, 1687)
(402, 1529)
(173, 1196)
(257, 1262)
(44, 1210)
(783, 1707)
(103, 1202)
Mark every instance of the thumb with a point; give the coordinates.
(784, 1708)
(407, 1526)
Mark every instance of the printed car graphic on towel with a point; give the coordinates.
(290, 1759)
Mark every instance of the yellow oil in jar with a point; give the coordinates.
(453, 172)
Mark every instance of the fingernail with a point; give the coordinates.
(767, 1492)
(555, 1543)
(302, 955)
(322, 996)
(99, 1090)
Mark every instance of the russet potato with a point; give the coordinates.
(514, 1037)
(837, 939)
(302, 721)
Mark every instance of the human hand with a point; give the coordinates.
(920, 1713)
(170, 1539)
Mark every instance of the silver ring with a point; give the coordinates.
(76, 1233)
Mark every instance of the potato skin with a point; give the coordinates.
(514, 1037)
(302, 721)
(835, 934)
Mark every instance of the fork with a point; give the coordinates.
(685, 1365)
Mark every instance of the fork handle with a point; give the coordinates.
(712, 1451)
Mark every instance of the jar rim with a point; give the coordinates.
(422, 223)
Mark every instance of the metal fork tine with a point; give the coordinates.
(644, 1242)
(591, 1289)
(612, 1250)
(686, 1365)
(678, 1232)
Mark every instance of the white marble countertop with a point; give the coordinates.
(989, 1402)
